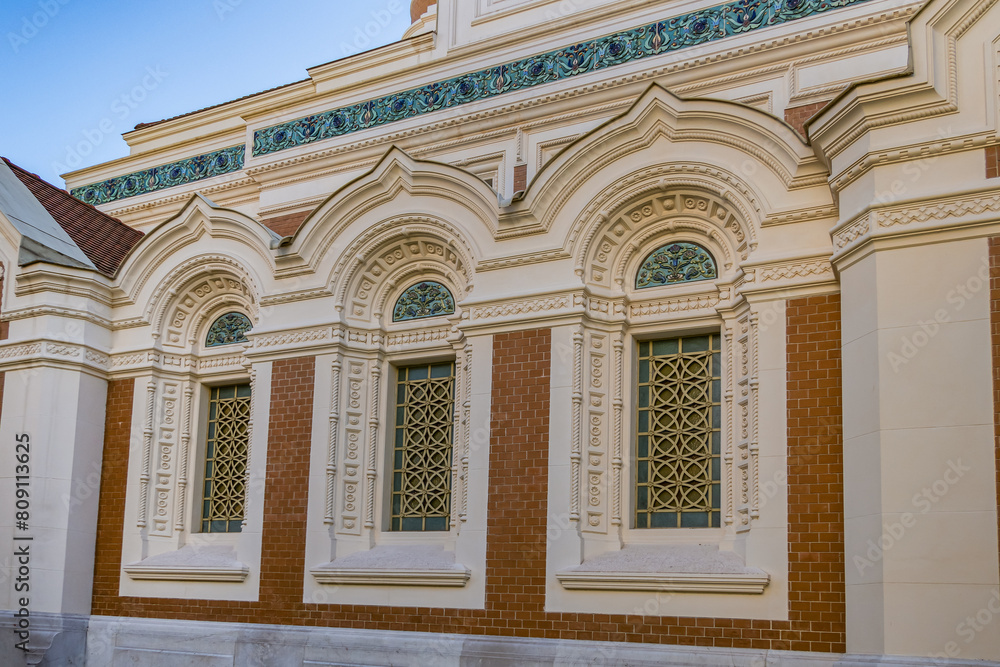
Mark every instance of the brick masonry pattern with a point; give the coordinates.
(798, 116)
(993, 161)
(516, 542)
(994, 253)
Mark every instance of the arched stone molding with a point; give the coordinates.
(202, 288)
(395, 250)
(607, 250)
(427, 190)
(202, 240)
(741, 149)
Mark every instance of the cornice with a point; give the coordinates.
(646, 75)
(952, 212)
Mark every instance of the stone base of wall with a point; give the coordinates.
(111, 641)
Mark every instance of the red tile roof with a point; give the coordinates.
(103, 239)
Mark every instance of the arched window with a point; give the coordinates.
(425, 299)
(675, 263)
(228, 329)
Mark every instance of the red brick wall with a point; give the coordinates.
(993, 161)
(516, 538)
(798, 116)
(994, 247)
(519, 459)
(111, 517)
(816, 473)
(286, 225)
(520, 178)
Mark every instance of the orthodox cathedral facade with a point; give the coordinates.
(557, 332)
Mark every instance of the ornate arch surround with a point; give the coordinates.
(610, 253)
(394, 254)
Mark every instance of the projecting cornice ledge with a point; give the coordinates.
(154, 573)
(679, 568)
(680, 582)
(455, 577)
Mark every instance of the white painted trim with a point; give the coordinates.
(377, 577)
(194, 573)
(676, 582)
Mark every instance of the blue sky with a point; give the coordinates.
(76, 74)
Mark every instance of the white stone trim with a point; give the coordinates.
(678, 582)
(192, 573)
(381, 577)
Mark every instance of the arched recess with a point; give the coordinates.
(195, 294)
(430, 193)
(613, 245)
(175, 270)
(754, 162)
(396, 253)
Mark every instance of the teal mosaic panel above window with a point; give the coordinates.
(675, 263)
(229, 329)
(425, 299)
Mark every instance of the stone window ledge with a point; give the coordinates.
(678, 568)
(191, 564)
(411, 565)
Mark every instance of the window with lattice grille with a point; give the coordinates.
(422, 447)
(226, 459)
(679, 439)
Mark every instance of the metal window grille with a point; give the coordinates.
(422, 447)
(226, 459)
(679, 439)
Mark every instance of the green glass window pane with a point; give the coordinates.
(418, 373)
(641, 498)
(643, 446)
(716, 495)
(695, 344)
(219, 526)
(227, 392)
(663, 347)
(441, 371)
(643, 397)
(412, 523)
(640, 520)
(397, 481)
(694, 520)
(717, 392)
(715, 348)
(401, 389)
(235, 526)
(663, 520)
(644, 349)
(436, 523)
(716, 520)
(643, 422)
(716, 443)
(643, 471)
(716, 469)
(716, 416)
(644, 371)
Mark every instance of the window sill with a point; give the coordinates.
(396, 566)
(191, 564)
(679, 569)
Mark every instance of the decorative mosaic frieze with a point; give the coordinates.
(680, 32)
(693, 29)
(182, 172)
